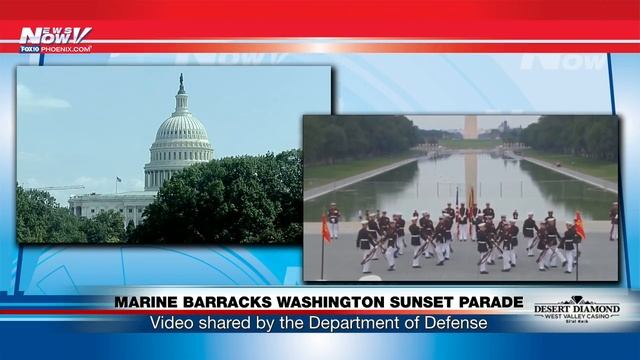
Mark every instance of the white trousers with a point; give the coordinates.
(391, 260)
(506, 259)
(557, 254)
(428, 250)
(464, 230)
(512, 255)
(543, 259)
(483, 265)
(333, 230)
(614, 231)
(366, 266)
(400, 244)
(440, 251)
(446, 249)
(569, 256)
(529, 245)
(473, 232)
(416, 257)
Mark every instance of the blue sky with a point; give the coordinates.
(85, 125)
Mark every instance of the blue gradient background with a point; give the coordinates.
(410, 83)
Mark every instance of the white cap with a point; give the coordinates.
(569, 223)
(551, 219)
(364, 222)
(414, 219)
(425, 212)
(482, 225)
(530, 213)
(512, 221)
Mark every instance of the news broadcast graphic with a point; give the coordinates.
(91, 171)
(455, 198)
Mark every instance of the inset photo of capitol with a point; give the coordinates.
(163, 154)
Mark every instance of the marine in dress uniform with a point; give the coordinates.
(426, 232)
(504, 238)
(568, 245)
(500, 228)
(542, 246)
(401, 244)
(383, 222)
(483, 247)
(549, 215)
(515, 214)
(390, 237)
(473, 216)
(463, 223)
(334, 218)
(529, 229)
(374, 231)
(365, 244)
(492, 235)
(513, 232)
(614, 216)
(448, 225)
(488, 211)
(439, 235)
(416, 241)
(553, 241)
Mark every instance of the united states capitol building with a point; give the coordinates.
(181, 141)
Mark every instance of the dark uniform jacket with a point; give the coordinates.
(374, 230)
(613, 215)
(390, 236)
(489, 212)
(448, 224)
(552, 235)
(439, 234)
(400, 227)
(334, 215)
(570, 237)
(483, 245)
(414, 230)
(463, 217)
(450, 211)
(426, 228)
(363, 241)
(513, 231)
(505, 240)
(542, 239)
(515, 215)
(529, 228)
(384, 222)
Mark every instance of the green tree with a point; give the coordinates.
(243, 199)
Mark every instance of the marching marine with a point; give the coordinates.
(416, 241)
(401, 243)
(529, 229)
(568, 245)
(365, 244)
(483, 247)
(439, 235)
(504, 238)
(334, 218)
(488, 211)
(463, 223)
(426, 233)
(513, 231)
(552, 243)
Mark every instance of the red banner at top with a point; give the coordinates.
(443, 19)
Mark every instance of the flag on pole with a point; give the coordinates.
(580, 226)
(326, 236)
(118, 179)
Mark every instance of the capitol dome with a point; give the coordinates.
(180, 141)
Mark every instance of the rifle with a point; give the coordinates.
(486, 256)
(533, 243)
(372, 252)
(422, 247)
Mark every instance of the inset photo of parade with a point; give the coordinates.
(461, 198)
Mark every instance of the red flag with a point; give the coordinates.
(580, 226)
(326, 236)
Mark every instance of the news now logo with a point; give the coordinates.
(51, 39)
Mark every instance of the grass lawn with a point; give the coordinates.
(319, 175)
(602, 169)
(470, 144)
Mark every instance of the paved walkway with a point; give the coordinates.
(599, 260)
(339, 184)
(592, 180)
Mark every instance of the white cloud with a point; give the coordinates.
(27, 99)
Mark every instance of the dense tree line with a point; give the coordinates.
(590, 136)
(330, 139)
(41, 220)
(244, 199)
(434, 136)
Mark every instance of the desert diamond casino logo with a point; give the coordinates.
(577, 310)
(54, 40)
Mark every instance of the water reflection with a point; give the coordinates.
(429, 184)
